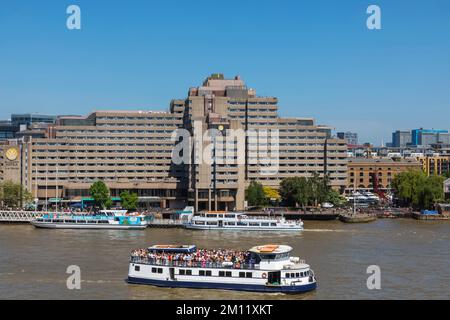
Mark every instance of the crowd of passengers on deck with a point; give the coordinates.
(201, 257)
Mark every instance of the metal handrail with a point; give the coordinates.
(192, 264)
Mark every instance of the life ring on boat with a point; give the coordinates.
(264, 275)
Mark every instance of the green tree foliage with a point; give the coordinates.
(100, 193)
(307, 191)
(335, 198)
(10, 194)
(129, 200)
(414, 188)
(255, 194)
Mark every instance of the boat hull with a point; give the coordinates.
(357, 219)
(224, 286)
(86, 226)
(194, 227)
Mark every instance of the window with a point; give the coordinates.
(228, 274)
(137, 268)
(153, 270)
(248, 275)
(182, 272)
(201, 273)
(241, 274)
(221, 273)
(297, 275)
(288, 275)
(208, 273)
(189, 272)
(160, 270)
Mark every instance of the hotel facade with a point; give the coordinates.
(134, 150)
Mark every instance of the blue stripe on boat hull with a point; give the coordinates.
(223, 286)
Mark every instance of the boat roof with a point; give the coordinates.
(271, 248)
(173, 248)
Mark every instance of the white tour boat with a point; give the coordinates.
(218, 220)
(107, 219)
(268, 268)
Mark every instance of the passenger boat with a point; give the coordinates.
(268, 268)
(218, 220)
(107, 219)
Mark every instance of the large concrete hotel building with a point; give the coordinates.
(132, 150)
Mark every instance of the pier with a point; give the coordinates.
(17, 216)
(165, 223)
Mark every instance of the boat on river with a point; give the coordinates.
(107, 219)
(235, 221)
(267, 268)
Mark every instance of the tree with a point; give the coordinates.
(414, 188)
(295, 190)
(100, 192)
(11, 192)
(318, 189)
(255, 194)
(271, 194)
(307, 191)
(288, 191)
(334, 197)
(129, 200)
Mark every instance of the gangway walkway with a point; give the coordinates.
(17, 216)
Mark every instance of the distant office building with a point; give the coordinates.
(401, 139)
(29, 118)
(350, 137)
(423, 137)
(435, 164)
(8, 130)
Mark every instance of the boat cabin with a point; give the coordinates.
(172, 249)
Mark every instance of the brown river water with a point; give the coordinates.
(414, 258)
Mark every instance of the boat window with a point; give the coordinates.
(288, 275)
(254, 224)
(273, 224)
(201, 223)
(221, 273)
(208, 273)
(231, 216)
(241, 223)
(241, 274)
(228, 274)
(264, 224)
(211, 223)
(201, 273)
(160, 270)
(249, 275)
(297, 275)
(231, 223)
(182, 272)
(137, 268)
(189, 272)
(153, 270)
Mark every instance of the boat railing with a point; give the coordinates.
(193, 264)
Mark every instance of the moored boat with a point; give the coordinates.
(357, 218)
(239, 221)
(110, 219)
(268, 268)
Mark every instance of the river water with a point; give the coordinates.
(414, 258)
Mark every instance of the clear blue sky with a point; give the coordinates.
(316, 56)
